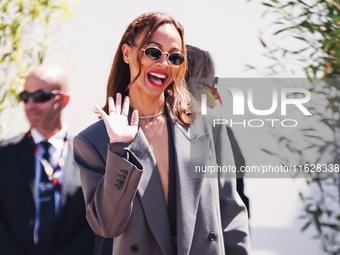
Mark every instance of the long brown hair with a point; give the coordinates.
(177, 96)
(200, 64)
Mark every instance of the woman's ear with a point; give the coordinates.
(126, 50)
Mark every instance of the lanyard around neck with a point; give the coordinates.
(54, 173)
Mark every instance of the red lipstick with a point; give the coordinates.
(157, 78)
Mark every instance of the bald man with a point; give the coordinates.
(42, 209)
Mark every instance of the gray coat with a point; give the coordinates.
(125, 200)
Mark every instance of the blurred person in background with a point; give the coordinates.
(42, 210)
(201, 65)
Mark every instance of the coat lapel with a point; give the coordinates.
(151, 194)
(188, 189)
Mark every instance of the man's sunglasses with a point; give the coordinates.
(39, 96)
(154, 53)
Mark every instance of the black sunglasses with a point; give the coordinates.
(154, 53)
(39, 96)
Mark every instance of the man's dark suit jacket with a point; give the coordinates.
(71, 234)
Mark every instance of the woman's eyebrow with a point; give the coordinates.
(161, 46)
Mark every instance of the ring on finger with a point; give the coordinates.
(112, 111)
(134, 124)
(124, 114)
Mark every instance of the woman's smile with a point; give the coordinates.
(157, 78)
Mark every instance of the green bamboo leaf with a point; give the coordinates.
(313, 136)
(65, 9)
(264, 13)
(331, 226)
(334, 17)
(4, 7)
(308, 129)
(290, 3)
(304, 3)
(3, 58)
(307, 25)
(310, 147)
(319, 92)
(306, 226)
(280, 31)
(300, 38)
(3, 98)
(250, 67)
(268, 152)
(14, 27)
(299, 51)
(262, 42)
(268, 5)
(282, 139)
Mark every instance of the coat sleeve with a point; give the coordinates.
(109, 185)
(233, 211)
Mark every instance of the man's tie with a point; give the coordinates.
(47, 210)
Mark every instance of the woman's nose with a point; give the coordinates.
(164, 59)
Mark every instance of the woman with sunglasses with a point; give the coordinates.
(135, 162)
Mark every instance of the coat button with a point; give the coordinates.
(212, 236)
(134, 248)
